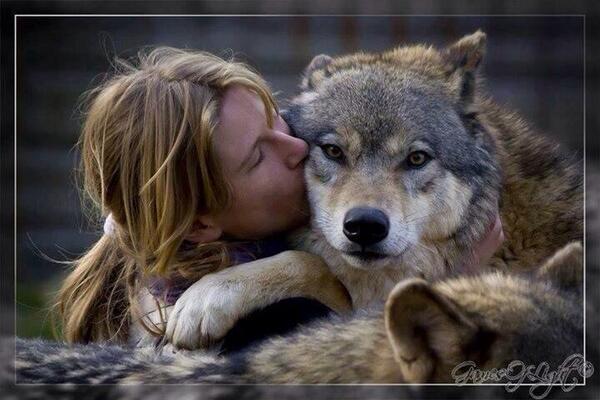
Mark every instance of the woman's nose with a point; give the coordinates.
(295, 150)
(292, 149)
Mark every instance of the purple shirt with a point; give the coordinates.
(169, 289)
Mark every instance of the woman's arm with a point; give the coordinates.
(150, 312)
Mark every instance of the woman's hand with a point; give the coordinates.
(485, 248)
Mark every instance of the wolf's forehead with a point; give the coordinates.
(382, 107)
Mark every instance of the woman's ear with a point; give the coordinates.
(204, 230)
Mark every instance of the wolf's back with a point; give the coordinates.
(41, 361)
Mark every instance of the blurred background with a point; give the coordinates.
(534, 65)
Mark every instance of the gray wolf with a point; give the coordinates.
(422, 333)
(409, 162)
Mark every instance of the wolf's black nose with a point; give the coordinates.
(366, 225)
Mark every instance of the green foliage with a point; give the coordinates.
(34, 302)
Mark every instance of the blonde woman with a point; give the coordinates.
(187, 157)
(165, 151)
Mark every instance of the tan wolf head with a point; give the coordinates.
(488, 320)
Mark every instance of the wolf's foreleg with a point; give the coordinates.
(210, 307)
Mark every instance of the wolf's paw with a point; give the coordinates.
(204, 313)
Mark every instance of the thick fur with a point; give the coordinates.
(420, 336)
(378, 109)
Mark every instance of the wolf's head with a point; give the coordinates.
(400, 161)
(440, 332)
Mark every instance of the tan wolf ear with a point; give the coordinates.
(429, 333)
(316, 71)
(463, 59)
(565, 267)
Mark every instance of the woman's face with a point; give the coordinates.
(264, 167)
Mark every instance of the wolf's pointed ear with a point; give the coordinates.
(428, 332)
(316, 71)
(463, 59)
(565, 267)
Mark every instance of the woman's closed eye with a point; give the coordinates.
(259, 159)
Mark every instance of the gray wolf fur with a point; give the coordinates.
(378, 110)
(410, 136)
(423, 332)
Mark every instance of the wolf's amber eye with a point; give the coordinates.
(417, 159)
(332, 151)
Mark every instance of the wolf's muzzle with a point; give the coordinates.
(366, 225)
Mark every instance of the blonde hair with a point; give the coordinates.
(147, 158)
